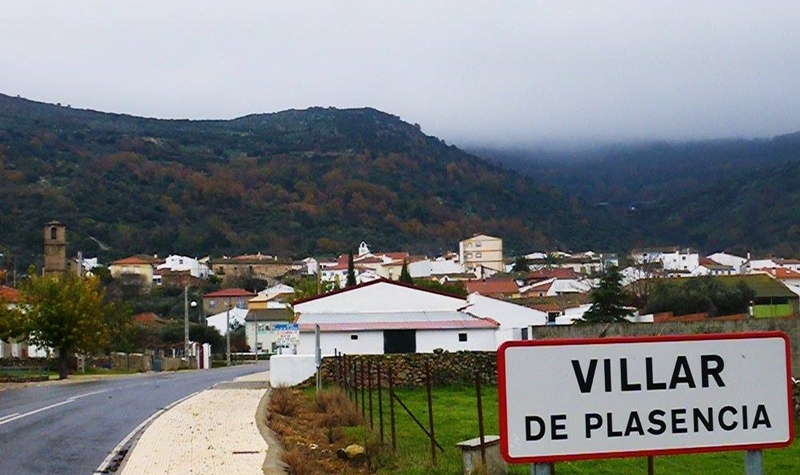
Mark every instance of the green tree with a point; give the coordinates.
(452, 288)
(608, 300)
(309, 287)
(68, 314)
(351, 271)
(10, 321)
(405, 276)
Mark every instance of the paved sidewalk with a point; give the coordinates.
(211, 433)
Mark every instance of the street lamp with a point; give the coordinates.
(193, 304)
(186, 322)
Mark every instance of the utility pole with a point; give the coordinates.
(228, 332)
(186, 322)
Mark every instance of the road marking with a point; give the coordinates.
(70, 400)
(103, 467)
(8, 416)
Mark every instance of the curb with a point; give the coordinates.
(273, 465)
(115, 461)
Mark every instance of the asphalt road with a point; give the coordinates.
(69, 429)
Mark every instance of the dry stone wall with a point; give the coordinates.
(408, 369)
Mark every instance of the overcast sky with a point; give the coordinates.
(469, 72)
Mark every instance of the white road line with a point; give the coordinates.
(8, 416)
(103, 467)
(51, 406)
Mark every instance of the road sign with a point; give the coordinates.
(621, 397)
(288, 334)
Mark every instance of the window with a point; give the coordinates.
(240, 303)
(551, 317)
(354, 337)
(478, 255)
(211, 304)
(462, 337)
(469, 255)
(53, 233)
(478, 244)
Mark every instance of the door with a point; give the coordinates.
(399, 341)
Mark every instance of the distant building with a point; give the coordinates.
(137, 270)
(55, 248)
(253, 266)
(481, 250)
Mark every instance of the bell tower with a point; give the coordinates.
(55, 248)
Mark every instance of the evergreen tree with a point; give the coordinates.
(608, 300)
(405, 276)
(351, 271)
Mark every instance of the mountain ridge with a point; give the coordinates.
(295, 182)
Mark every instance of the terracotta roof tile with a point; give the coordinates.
(133, 260)
(492, 287)
(229, 293)
(9, 294)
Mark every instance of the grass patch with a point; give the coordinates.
(455, 419)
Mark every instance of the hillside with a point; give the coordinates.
(739, 195)
(289, 183)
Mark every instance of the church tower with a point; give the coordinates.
(55, 248)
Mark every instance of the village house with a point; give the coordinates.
(390, 317)
(710, 267)
(513, 320)
(481, 250)
(138, 269)
(252, 266)
(495, 288)
(269, 307)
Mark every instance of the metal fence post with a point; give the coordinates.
(391, 408)
(363, 388)
(430, 411)
(480, 416)
(369, 388)
(380, 400)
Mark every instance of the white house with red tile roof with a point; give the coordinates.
(787, 276)
(738, 263)
(711, 267)
(555, 286)
(389, 317)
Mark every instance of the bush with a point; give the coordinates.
(297, 462)
(284, 401)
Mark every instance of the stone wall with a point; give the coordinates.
(409, 369)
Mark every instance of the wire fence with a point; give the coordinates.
(371, 386)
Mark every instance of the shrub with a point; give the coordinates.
(284, 401)
(297, 462)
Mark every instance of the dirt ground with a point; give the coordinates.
(311, 432)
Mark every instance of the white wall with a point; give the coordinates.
(371, 342)
(289, 370)
(508, 315)
(680, 261)
(446, 267)
(478, 339)
(728, 260)
(368, 343)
